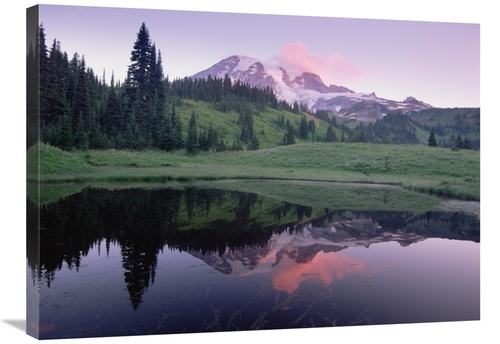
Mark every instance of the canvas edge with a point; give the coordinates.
(32, 167)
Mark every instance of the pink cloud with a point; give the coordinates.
(325, 268)
(295, 58)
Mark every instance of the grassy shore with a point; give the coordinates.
(436, 170)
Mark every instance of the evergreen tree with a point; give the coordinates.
(303, 128)
(330, 134)
(140, 75)
(175, 120)
(467, 144)
(157, 83)
(73, 74)
(96, 139)
(54, 98)
(81, 102)
(131, 134)
(140, 67)
(212, 137)
(312, 127)
(227, 86)
(165, 138)
(203, 140)
(246, 127)
(289, 137)
(113, 120)
(453, 138)
(152, 72)
(32, 91)
(192, 139)
(458, 142)
(80, 139)
(45, 75)
(432, 139)
(361, 137)
(64, 136)
(120, 141)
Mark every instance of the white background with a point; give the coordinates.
(12, 167)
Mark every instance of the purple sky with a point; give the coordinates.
(12, 143)
(437, 63)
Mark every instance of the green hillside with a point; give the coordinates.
(448, 123)
(265, 123)
(447, 116)
(44, 159)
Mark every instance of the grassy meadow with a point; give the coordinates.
(422, 168)
(266, 129)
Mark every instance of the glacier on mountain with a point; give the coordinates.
(308, 89)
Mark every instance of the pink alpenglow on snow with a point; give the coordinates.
(296, 58)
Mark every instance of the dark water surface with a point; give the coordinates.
(175, 260)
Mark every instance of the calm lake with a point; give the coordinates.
(183, 259)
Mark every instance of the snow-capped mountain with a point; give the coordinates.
(308, 89)
(304, 246)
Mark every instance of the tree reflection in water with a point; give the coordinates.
(233, 232)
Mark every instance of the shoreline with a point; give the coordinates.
(168, 178)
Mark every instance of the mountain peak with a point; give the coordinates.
(307, 88)
(414, 101)
(312, 77)
(313, 82)
(410, 99)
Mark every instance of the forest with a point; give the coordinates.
(79, 109)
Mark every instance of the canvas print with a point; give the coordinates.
(192, 172)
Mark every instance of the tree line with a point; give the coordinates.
(398, 128)
(80, 110)
(394, 128)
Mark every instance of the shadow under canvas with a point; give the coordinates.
(17, 323)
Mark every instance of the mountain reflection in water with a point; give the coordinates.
(245, 242)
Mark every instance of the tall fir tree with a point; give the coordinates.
(330, 134)
(175, 119)
(227, 86)
(139, 70)
(312, 127)
(467, 144)
(303, 128)
(246, 120)
(159, 78)
(165, 138)
(80, 138)
(289, 136)
(73, 73)
(81, 102)
(64, 135)
(32, 91)
(45, 77)
(113, 119)
(432, 139)
(192, 139)
(138, 81)
(55, 98)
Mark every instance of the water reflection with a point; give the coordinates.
(260, 243)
